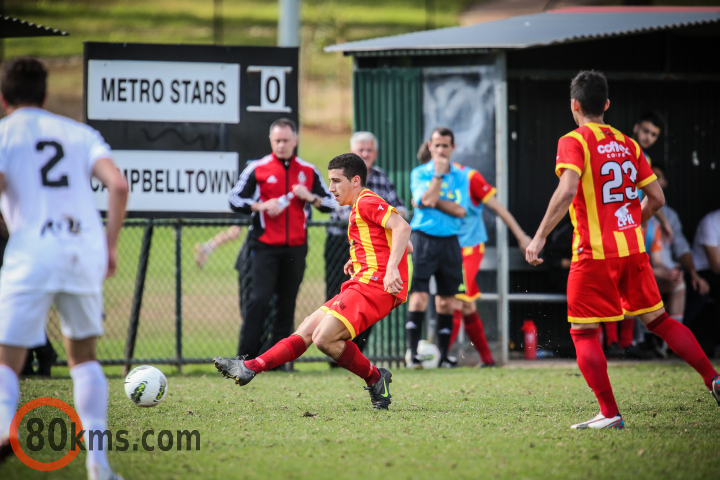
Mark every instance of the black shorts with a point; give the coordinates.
(438, 256)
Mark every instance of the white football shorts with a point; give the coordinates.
(23, 316)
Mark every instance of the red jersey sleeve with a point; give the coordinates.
(570, 154)
(645, 174)
(374, 209)
(480, 189)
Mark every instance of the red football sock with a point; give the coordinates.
(611, 333)
(627, 332)
(681, 341)
(352, 359)
(286, 350)
(476, 334)
(593, 366)
(457, 321)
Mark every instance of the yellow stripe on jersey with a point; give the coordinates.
(588, 184)
(622, 245)
(356, 264)
(561, 166)
(646, 181)
(618, 134)
(366, 240)
(640, 239)
(595, 127)
(576, 235)
(489, 195)
(387, 216)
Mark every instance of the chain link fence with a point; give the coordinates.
(161, 307)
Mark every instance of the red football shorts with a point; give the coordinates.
(472, 258)
(606, 290)
(359, 306)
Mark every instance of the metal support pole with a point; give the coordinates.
(178, 294)
(138, 296)
(289, 23)
(501, 180)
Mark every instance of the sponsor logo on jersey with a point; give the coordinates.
(380, 207)
(613, 147)
(624, 217)
(272, 179)
(302, 177)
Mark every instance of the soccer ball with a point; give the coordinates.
(427, 350)
(146, 386)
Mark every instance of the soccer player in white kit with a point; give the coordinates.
(58, 251)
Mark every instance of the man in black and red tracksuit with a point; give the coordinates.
(276, 189)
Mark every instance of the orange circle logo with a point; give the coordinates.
(15, 441)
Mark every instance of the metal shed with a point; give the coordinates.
(504, 86)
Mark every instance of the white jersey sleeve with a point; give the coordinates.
(98, 149)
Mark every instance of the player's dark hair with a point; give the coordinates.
(282, 123)
(590, 89)
(423, 154)
(444, 132)
(24, 82)
(351, 165)
(654, 117)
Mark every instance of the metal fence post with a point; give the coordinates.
(178, 294)
(501, 173)
(138, 295)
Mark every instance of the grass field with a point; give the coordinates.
(509, 423)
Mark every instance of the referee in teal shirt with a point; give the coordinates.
(441, 193)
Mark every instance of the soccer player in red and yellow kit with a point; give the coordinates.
(472, 238)
(600, 172)
(379, 244)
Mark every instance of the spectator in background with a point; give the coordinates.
(435, 239)
(646, 132)
(276, 190)
(674, 253)
(702, 316)
(337, 247)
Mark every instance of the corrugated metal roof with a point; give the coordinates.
(14, 27)
(553, 27)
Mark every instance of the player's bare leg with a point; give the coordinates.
(681, 341)
(90, 392)
(333, 339)
(286, 350)
(12, 360)
(593, 366)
